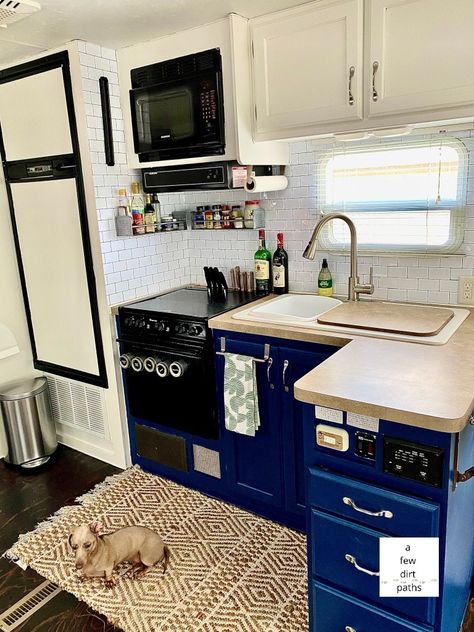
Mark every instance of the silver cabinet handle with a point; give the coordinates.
(375, 67)
(351, 76)
(269, 366)
(349, 629)
(383, 513)
(352, 560)
(286, 364)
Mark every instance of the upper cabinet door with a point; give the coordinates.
(34, 116)
(307, 68)
(421, 55)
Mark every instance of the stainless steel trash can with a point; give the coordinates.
(29, 425)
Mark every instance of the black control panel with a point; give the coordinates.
(365, 445)
(417, 462)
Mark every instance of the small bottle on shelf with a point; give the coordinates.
(149, 215)
(136, 206)
(155, 202)
(262, 261)
(280, 267)
(325, 280)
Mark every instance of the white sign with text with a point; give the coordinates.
(409, 567)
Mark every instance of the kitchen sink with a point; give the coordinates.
(291, 308)
(302, 310)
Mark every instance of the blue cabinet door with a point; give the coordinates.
(293, 364)
(253, 464)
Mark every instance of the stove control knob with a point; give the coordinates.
(181, 328)
(195, 330)
(141, 323)
(161, 326)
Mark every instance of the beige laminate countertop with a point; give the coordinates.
(429, 386)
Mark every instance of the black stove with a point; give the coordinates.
(168, 364)
(178, 315)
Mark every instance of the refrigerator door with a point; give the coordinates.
(40, 152)
(34, 116)
(49, 234)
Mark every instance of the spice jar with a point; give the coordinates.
(217, 210)
(226, 223)
(199, 217)
(209, 217)
(236, 217)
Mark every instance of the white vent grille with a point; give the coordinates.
(78, 405)
(23, 609)
(14, 10)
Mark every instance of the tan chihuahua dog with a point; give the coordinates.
(97, 555)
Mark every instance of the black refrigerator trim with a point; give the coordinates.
(107, 121)
(43, 64)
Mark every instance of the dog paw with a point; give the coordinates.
(83, 579)
(109, 584)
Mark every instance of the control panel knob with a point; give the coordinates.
(161, 325)
(181, 328)
(141, 323)
(195, 330)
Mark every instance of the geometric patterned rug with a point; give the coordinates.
(229, 570)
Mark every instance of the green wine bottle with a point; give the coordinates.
(262, 261)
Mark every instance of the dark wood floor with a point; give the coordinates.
(25, 500)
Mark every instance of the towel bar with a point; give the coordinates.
(266, 352)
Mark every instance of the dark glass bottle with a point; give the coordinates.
(280, 267)
(263, 262)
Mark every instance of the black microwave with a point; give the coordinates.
(177, 108)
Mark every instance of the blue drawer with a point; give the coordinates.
(333, 611)
(350, 498)
(333, 538)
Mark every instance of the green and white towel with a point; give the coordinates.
(240, 394)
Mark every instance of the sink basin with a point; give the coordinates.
(302, 310)
(294, 308)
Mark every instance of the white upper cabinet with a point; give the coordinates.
(338, 66)
(307, 68)
(421, 55)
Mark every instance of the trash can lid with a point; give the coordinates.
(22, 389)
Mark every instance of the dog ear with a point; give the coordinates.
(96, 527)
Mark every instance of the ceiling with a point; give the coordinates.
(118, 23)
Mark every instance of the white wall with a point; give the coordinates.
(12, 312)
(156, 259)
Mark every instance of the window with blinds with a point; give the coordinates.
(402, 197)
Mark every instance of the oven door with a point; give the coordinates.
(174, 389)
(179, 119)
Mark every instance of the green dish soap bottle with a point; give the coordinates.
(325, 280)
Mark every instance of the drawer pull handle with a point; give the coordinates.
(349, 629)
(384, 513)
(353, 561)
(286, 364)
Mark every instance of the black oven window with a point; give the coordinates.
(165, 115)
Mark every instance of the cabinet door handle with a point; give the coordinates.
(269, 366)
(348, 628)
(351, 75)
(375, 94)
(352, 560)
(286, 364)
(383, 513)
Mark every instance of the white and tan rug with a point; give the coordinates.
(230, 571)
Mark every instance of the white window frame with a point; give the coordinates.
(457, 212)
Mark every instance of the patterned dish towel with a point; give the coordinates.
(240, 394)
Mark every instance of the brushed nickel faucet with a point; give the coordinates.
(355, 288)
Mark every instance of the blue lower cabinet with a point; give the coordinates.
(332, 611)
(334, 540)
(266, 473)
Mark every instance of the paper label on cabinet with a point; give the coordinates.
(409, 567)
(239, 177)
(363, 421)
(328, 414)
